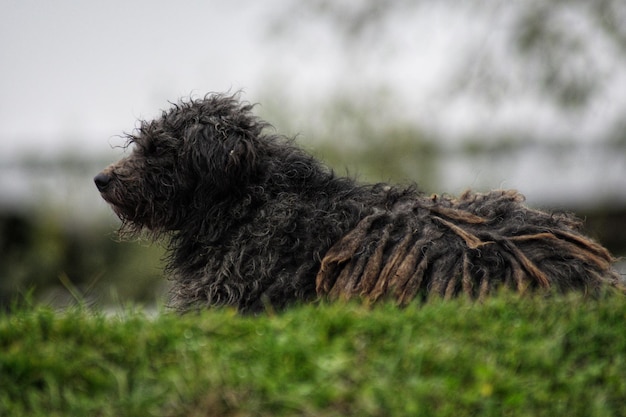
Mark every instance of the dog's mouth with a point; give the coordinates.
(134, 214)
(106, 184)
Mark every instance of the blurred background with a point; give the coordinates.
(481, 94)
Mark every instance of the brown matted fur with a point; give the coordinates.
(472, 245)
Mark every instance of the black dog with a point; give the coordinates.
(253, 221)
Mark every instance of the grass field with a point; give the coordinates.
(510, 356)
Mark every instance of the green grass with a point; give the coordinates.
(562, 356)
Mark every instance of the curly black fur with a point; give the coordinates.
(254, 221)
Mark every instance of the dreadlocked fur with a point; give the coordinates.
(472, 245)
(253, 221)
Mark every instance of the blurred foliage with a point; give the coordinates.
(607, 225)
(63, 265)
(356, 138)
(406, 161)
(555, 47)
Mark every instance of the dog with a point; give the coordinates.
(253, 221)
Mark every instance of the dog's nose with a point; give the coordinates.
(102, 181)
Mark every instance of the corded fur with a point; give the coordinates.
(253, 221)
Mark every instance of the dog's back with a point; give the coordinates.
(471, 245)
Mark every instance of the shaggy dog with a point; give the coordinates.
(253, 221)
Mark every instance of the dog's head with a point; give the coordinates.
(198, 153)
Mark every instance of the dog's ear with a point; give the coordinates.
(241, 155)
(225, 157)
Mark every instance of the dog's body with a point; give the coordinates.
(254, 221)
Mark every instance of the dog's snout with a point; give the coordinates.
(102, 181)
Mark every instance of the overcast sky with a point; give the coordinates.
(75, 70)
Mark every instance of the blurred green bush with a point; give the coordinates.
(61, 264)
